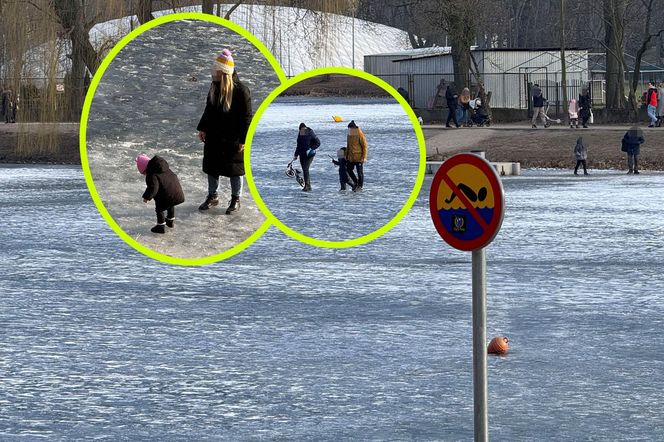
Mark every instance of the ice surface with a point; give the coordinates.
(150, 100)
(390, 172)
(286, 341)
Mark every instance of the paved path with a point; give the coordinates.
(551, 147)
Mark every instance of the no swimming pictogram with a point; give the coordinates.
(467, 202)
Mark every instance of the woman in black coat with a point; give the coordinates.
(223, 128)
(584, 107)
(451, 96)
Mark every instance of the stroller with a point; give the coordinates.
(548, 120)
(293, 172)
(478, 115)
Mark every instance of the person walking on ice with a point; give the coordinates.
(223, 129)
(307, 143)
(163, 187)
(343, 170)
(356, 154)
(631, 144)
(581, 155)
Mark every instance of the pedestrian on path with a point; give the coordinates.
(652, 103)
(660, 104)
(538, 106)
(585, 107)
(451, 96)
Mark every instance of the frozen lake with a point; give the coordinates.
(150, 100)
(325, 213)
(287, 341)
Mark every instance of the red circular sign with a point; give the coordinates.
(467, 202)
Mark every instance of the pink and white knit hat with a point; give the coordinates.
(142, 163)
(224, 62)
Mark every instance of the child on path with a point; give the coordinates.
(581, 154)
(163, 186)
(343, 172)
(573, 111)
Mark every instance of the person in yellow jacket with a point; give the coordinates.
(356, 154)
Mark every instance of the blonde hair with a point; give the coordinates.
(223, 97)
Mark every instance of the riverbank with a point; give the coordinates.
(39, 143)
(549, 148)
(336, 86)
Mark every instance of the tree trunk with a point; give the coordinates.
(144, 11)
(645, 45)
(461, 62)
(461, 27)
(208, 6)
(614, 40)
(71, 16)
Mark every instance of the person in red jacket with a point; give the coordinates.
(651, 102)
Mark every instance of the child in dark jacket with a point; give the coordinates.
(163, 186)
(343, 172)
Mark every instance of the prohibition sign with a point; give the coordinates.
(467, 202)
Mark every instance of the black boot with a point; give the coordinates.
(211, 200)
(234, 205)
(159, 228)
(170, 222)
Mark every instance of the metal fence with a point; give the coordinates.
(42, 99)
(508, 90)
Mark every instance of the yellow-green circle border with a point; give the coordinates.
(84, 122)
(361, 239)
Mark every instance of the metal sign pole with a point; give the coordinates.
(480, 386)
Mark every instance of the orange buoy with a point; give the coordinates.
(499, 345)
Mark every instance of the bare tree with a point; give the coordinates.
(614, 43)
(647, 39)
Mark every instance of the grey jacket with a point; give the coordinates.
(580, 150)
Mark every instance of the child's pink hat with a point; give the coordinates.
(142, 163)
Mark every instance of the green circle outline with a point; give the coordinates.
(84, 123)
(369, 236)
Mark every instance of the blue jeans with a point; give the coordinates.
(236, 185)
(652, 114)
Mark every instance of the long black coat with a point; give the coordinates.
(584, 103)
(451, 97)
(163, 185)
(224, 132)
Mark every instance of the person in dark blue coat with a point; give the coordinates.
(631, 144)
(307, 143)
(451, 97)
(343, 171)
